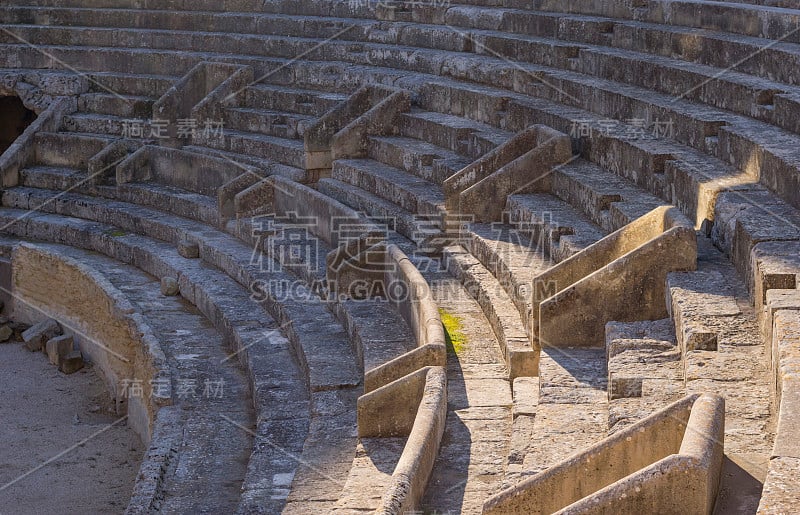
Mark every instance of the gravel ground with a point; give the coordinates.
(44, 416)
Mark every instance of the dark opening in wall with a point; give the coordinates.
(14, 119)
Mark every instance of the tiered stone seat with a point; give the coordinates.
(224, 323)
(609, 74)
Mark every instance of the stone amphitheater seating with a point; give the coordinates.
(590, 208)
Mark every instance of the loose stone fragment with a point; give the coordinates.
(188, 249)
(5, 333)
(71, 363)
(58, 347)
(169, 286)
(36, 336)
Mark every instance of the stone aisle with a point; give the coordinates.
(475, 445)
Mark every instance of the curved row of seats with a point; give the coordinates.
(606, 74)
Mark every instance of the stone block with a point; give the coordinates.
(58, 347)
(36, 336)
(188, 249)
(169, 286)
(6, 332)
(526, 396)
(625, 387)
(71, 363)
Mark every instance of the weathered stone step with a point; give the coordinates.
(420, 158)
(378, 332)
(422, 231)
(53, 178)
(645, 370)
(129, 84)
(291, 243)
(460, 135)
(718, 334)
(191, 19)
(370, 475)
(302, 101)
(511, 257)
(608, 200)
(552, 225)
(271, 123)
(411, 193)
(106, 125)
(571, 413)
(282, 150)
(176, 201)
(477, 435)
(124, 106)
(328, 453)
(135, 61)
(68, 150)
(237, 160)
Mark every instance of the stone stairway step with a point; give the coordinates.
(551, 224)
(572, 409)
(370, 475)
(124, 106)
(420, 158)
(73, 150)
(105, 125)
(460, 135)
(608, 200)
(519, 354)
(176, 201)
(289, 242)
(282, 150)
(477, 434)
(398, 187)
(425, 233)
(302, 101)
(718, 334)
(121, 83)
(511, 257)
(53, 178)
(378, 332)
(236, 159)
(271, 123)
(645, 370)
(328, 453)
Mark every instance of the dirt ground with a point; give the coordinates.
(44, 415)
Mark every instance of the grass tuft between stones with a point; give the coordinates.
(455, 339)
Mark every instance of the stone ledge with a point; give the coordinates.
(636, 470)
